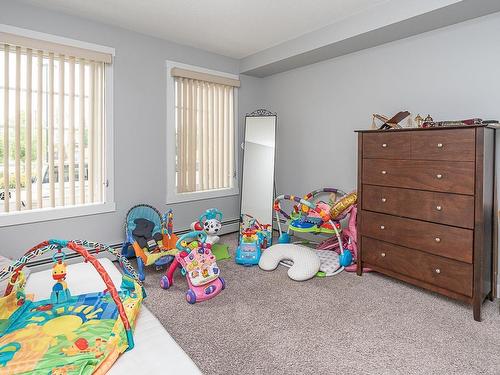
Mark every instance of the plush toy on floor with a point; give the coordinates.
(210, 223)
(198, 262)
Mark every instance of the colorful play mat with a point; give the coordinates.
(66, 334)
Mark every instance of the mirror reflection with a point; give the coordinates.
(258, 167)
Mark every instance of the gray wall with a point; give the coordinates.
(139, 119)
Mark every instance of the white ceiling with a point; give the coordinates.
(234, 28)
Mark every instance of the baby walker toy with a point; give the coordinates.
(151, 235)
(319, 217)
(253, 238)
(198, 262)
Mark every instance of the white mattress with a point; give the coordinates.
(155, 351)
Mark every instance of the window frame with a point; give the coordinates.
(68, 211)
(172, 195)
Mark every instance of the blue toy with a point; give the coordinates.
(249, 250)
(253, 239)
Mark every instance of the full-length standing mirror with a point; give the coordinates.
(257, 193)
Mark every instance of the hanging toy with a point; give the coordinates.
(60, 292)
(167, 226)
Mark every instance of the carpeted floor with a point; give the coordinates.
(265, 323)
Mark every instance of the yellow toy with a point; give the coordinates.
(60, 292)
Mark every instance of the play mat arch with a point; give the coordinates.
(71, 333)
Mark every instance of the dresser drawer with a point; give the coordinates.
(443, 208)
(386, 145)
(442, 240)
(444, 145)
(442, 272)
(445, 176)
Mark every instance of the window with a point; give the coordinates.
(53, 118)
(202, 124)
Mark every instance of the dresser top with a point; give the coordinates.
(490, 126)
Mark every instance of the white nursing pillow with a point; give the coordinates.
(306, 262)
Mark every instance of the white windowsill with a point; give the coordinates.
(201, 195)
(57, 213)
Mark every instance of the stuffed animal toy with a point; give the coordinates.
(211, 228)
(143, 234)
(210, 223)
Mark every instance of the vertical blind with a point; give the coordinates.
(52, 128)
(205, 135)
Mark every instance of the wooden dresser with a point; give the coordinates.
(426, 208)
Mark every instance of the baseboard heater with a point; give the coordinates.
(228, 226)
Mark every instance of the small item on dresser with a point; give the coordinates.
(468, 122)
(418, 121)
(490, 122)
(376, 116)
(428, 122)
(393, 123)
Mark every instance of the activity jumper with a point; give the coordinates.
(67, 334)
(314, 216)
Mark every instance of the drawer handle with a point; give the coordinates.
(383, 200)
(439, 176)
(382, 227)
(438, 271)
(440, 145)
(437, 239)
(384, 172)
(439, 208)
(384, 145)
(382, 255)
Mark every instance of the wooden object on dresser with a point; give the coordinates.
(426, 208)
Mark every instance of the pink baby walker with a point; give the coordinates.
(198, 264)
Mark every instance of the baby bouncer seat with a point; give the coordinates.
(151, 236)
